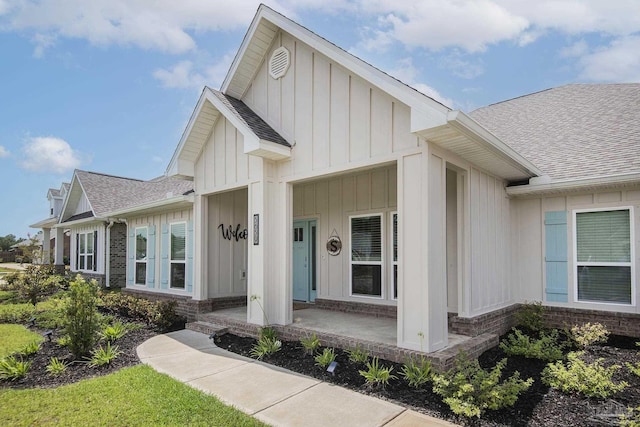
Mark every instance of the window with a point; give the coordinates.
(394, 219)
(86, 251)
(141, 256)
(603, 256)
(366, 255)
(178, 255)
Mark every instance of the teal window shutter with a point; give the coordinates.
(151, 257)
(555, 250)
(164, 257)
(189, 266)
(131, 262)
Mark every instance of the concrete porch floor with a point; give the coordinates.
(347, 330)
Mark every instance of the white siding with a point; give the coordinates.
(83, 205)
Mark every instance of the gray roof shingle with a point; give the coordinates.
(108, 193)
(572, 131)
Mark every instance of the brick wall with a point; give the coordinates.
(358, 307)
(100, 278)
(118, 256)
(627, 324)
(496, 322)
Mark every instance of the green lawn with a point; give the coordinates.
(15, 338)
(133, 396)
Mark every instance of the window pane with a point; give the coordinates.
(89, 243)
(366, 239)
(81, 266)
(89, 262)
(395, 237)
(603, 236)
(177, 275)
(395, 281)
(178, 241)
(141, 273)
(82, 243)
(604, 284)
(367, 279)
(141, 244)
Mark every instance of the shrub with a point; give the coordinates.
(16, 313)
(589, 334)
(325, 358)
(56, 367)
(531, 315)
(546, 347)
(592, 380)
(81, 319)
(113, 332)
(102, 356)
(631, 419)
(36, 282)
(416, 371)
(469, 390)
(269, 333)
(310, 344)
(265, 347)
(358, 355)
(63, 341)
(31, 348)
(161, 314)
(635, 369)
(13, 369)
(377, 376)
(50, 313)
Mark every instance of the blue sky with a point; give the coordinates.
(108, 85)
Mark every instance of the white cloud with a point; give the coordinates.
(49, 154)
(407, 73)
(461, 67)
(157, 159)
(618, 62)
(3, 152)
(186, 74)
(42, 42)
(575, 50)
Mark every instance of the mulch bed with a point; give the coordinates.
(540, 405)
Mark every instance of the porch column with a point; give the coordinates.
(269, 263)
(46, 246)
(58, 252)
(200, 227)
(422, 302)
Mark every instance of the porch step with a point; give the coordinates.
(206, 327)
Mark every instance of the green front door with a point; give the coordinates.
(304, 260)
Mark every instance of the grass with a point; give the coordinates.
(131, 396)
(6, 296)
(15, 338)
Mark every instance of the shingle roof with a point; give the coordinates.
(54, 192)
(107, 193)
(572, 131)
(251, 119)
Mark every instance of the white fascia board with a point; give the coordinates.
(566, 185)
(469, 127)
(267, 149)
(173, 167)
(76, 181)
(45, 223)
(83, 221)
(427, 109)
(178, 200)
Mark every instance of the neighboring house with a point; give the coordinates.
(96, 211)
(56, 199)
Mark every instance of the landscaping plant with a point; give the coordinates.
(589, 334)
(35, 282)
(56, 367)
(114, 332)
(358, 355)
(310, 344)
(12, 368)
(470, 390)
(325, 358)
(416, 371)
(592, 380)
(102, 356)
(265, 347)
(547, 347)
(31, 348)
(81, 318)
(531, 316)
(631, 419)
(376, 375)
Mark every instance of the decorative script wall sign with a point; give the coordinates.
(230, 233)
(334, 244)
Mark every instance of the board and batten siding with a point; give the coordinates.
(100, 247)
(157, 221)
(332, 201)
(333, 117)
(227, 256)
(83, 205)
(528, 241)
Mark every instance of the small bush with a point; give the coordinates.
(531, 316)
(635, 369)
(63, 341)
(81, 319)
(113, 332)
(265, 347)
(545, 348)
(358, 355)
(631, 419)
(161, 314)
(102, 356)
(31, 348)
(50, 313)
(310, 344)
(416, 371)
(16, 313)
(589, 334)
(35, 282)
(377, 376)
(13, 369)
(269, 333)
(325, 358)
(592, 380)
(56, 367)
(470, 390)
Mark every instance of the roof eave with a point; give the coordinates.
(45, 223)
(575, 185)
(177, 201)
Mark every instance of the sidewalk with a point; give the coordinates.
(273, 395)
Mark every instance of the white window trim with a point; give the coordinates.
(598, 264)
(136, 261)
(394, 263)
(83, 235)
(380, 263)
(172, 261)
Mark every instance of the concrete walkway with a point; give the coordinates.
(273, 395)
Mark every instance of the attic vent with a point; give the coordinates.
(279, 63)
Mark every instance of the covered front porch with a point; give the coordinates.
(376, 334)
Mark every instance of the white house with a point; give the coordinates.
(56, 199)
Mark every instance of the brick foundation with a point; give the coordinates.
(118, 256)
(626, 324)
(376, 310)
(496, 322)
(99, 278)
